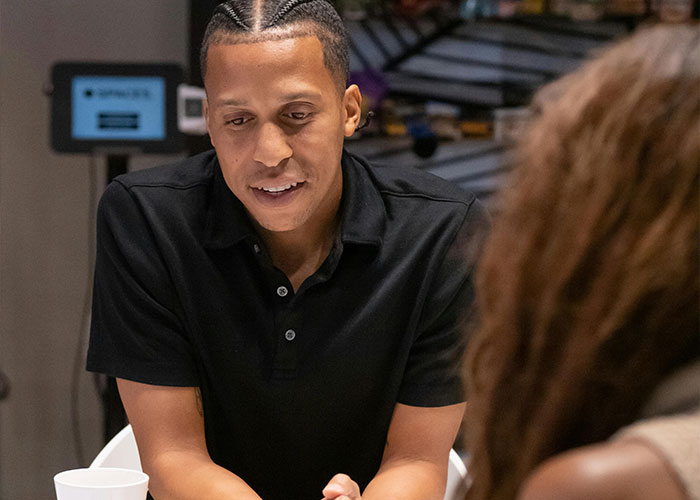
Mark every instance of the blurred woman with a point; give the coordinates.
(589, 288)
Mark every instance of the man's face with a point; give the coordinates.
(277, 122)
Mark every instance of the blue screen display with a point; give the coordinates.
(118, 108)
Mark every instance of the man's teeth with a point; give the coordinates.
(278, 189)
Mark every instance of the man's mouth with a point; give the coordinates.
(276, 196)
(279, 189)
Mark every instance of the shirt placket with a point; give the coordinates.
(287, 322)
(287, 329)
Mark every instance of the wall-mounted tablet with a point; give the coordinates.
(115, 108)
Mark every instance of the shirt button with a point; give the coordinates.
(256, 248)
(282, 291)
(290, 335)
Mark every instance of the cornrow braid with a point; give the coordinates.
(230, 11)
(254, 21)
(285, 9)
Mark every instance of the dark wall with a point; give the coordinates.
(200, 12)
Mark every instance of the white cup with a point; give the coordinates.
(101, 484)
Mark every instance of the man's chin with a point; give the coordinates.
(278, 224)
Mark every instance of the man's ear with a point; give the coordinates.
(205, 112)
(352, 106)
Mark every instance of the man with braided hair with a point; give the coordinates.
(284, 320)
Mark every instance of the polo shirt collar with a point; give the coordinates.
(363, 215)
(363, 212)
(227, 221)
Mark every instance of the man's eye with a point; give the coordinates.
(237, 121)
(299, 115)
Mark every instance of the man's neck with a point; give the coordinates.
(300, 253)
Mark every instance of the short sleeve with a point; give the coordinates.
(136, 332)
(432, 376)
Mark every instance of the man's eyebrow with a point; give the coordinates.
(232, 102)
(297, 96)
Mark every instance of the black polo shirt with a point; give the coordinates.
(299, 386)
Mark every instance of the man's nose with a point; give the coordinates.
(271, 147)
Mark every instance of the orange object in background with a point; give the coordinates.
(476, 128)
(395, 129)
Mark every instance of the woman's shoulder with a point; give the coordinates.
(627, 469)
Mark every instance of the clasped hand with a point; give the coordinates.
(341, 487)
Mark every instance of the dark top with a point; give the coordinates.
(299, 386)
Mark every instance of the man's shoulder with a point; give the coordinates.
(183, 174)
(176, 191)
(413, 183)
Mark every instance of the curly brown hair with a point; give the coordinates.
(588, 288)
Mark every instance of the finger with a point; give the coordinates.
(341, 485)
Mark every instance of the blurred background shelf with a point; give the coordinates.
(440, 85)
(476, 165)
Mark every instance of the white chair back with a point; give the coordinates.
(456, 478)
(120, 452)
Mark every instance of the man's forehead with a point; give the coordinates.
(288, 69)
(233, 100)
(286, 53)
